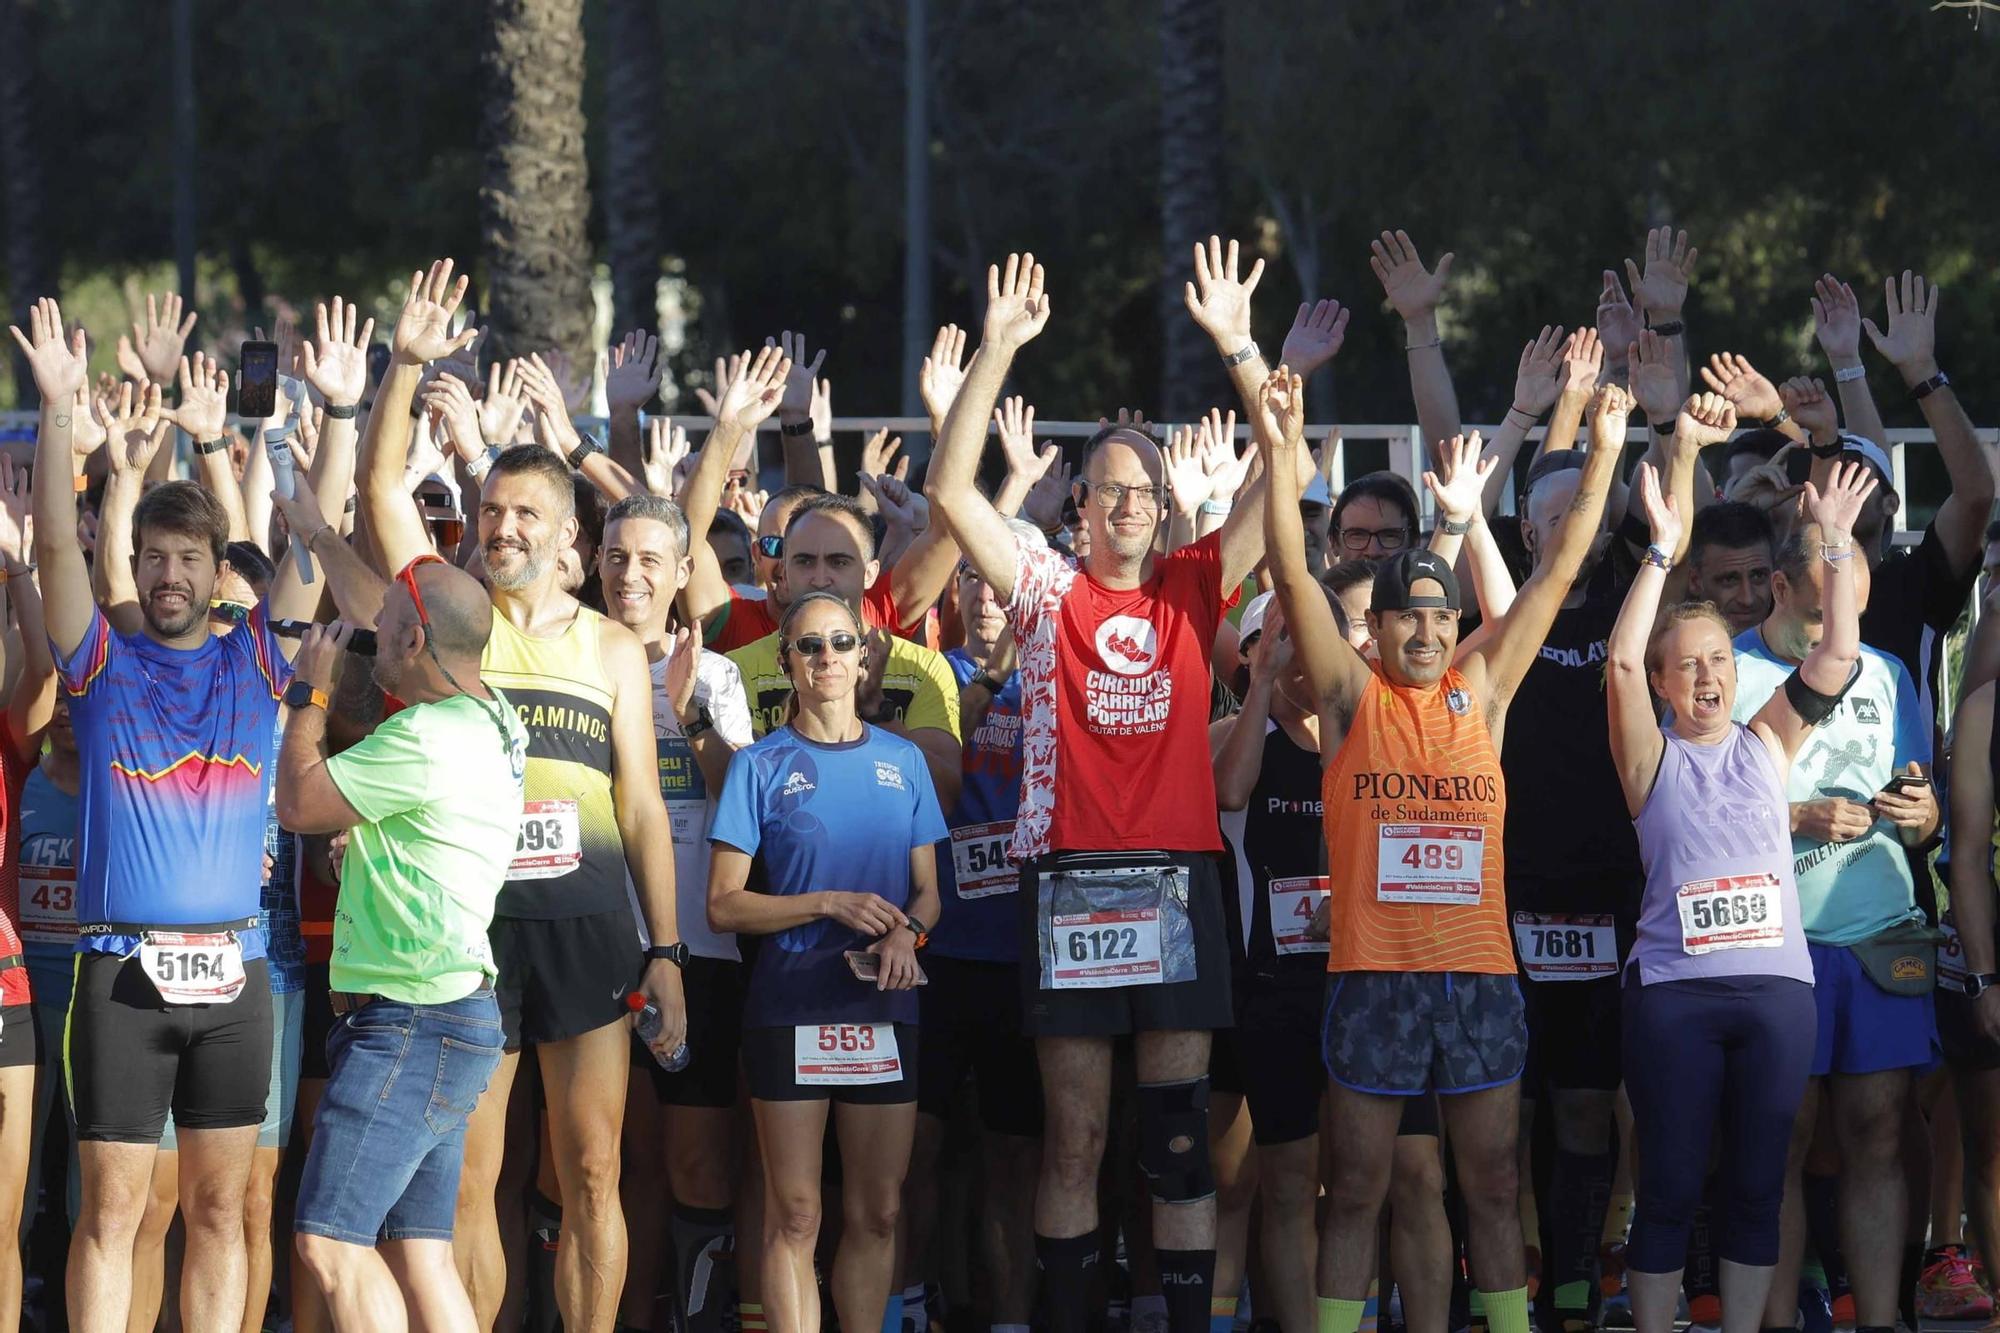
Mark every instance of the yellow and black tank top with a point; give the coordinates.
(568, 857)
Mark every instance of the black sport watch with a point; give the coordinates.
(676, 953)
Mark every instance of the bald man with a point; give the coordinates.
(431, 800)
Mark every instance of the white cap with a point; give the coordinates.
(1253, 616)
(1316, 492)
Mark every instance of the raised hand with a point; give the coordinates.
(1017, 308)
(943, 373)
(1610, 408)
(500, 411)
(1538, 379)
(1656, 385)
(797, 400)
(1806, 399)
(900, 506)
(1662, 289)
(666, 449)
(878, 453)
(1413, 290)
(633, 376)
(1318, 330)
(1187, 480)
(1583, 361)
(1218, 457)
(1911, 341)
(204, 405)
(1015, 420)
(756, 387)
(1281, 410)
(1663, 511)
(86, 432)
(136, 428)
(158, 340)
(820, 411)
(572, 378)
(1043, 506)
(304, 441)
(553, 428)
(335, 361)
(1705, 419)
(1271, 655)
(16, 515)
(1217, 298)
(683, 656)
(1836, 508)
(455, 416)
(1460, 477)
(1836, 319)
(423, 331)
(1618, 323)
(56, 360)
(1731, 375)
(726, 369)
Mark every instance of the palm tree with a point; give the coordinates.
(534, 193)
(1191, 380)
(633, 105)
(31, 269)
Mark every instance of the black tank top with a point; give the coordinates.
(1283, 838)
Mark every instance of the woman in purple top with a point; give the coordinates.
(1719, 1018)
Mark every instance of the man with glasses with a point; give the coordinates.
(1120, 896)
(431, 800)
(1374, 518)
(562, 933)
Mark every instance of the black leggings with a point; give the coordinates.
(1727, 1052)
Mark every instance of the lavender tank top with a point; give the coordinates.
(1715, 838)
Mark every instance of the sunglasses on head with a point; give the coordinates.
(770, 547)
(812, 645)
(235, 613)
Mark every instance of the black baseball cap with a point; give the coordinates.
(1395, 576)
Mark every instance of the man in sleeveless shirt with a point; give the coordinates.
(562, 935)
(1120, 897)
(1422, 994)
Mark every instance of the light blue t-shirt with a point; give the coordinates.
(1847, 890)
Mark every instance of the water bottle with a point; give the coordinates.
(649, 1028)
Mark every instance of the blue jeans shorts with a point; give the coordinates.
(390, 1134)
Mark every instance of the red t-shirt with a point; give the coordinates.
(1115, 704)
(13, 776)
(750, 619)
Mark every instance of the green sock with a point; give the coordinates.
(1507, 1311)
(1343, 1316)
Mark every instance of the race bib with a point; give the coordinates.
(1731, 912)
(1114, 948)
(193, 969)
(1556, 947)
(1293, 903)
(48, 904)
(1951, 971)
(979, 860)
(845, 1054)
(549, 844)
(1430, 863)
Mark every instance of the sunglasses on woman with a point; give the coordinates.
(812, 645)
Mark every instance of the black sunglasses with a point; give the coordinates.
(770, 547)
(234, 613)
(812, 645)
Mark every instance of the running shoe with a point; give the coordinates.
(1950, 1289)
(1843, 1310)
(1704, 1313)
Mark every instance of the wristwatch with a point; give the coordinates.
(700, 723)
(583, 451)
(340, 411)
(917, 928)
(988, 683)
(1779, 418)
(1237, 358)
(214, 446)
(304, 694)
(1931, 385)
(1451, 529)
(676, 953)
(796, 428)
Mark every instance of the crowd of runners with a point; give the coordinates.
(462, 871)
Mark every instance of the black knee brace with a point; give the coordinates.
(1173, 1140)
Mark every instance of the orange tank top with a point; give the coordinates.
(1414, 806)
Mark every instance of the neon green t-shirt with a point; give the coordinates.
(439, 795)
(917, 686)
